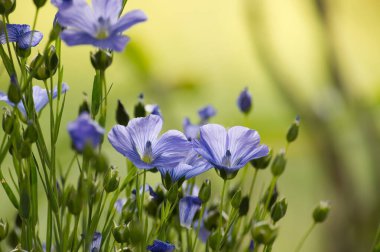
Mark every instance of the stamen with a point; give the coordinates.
(148, 153)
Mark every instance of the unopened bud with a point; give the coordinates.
(43, 67)
(293, 130)
(321, 211)
(84, 107)
(140, 108)
(74, 203)
(101, 60)
(111, 180)
(279, 163)
(14, 91)
(264, 233)
(25, 149)
(3, 229)
(8, 122)
(279, 210)
(263, 162)
(30, 134)
(122, 116)
(39, 3)
(205, 191)
(236, 199)
(214, 239)
(244, 206)
(7, 7)
(118, 233)
(173, 193)
(100, 163)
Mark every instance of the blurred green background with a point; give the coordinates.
(319, 59)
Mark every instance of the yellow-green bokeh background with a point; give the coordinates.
(201, 52)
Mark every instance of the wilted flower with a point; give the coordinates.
(244, 101)
(21, 35)
(191, 166)
(85, 131)
(40, 98)
(230, 150)
(206, 113)
(99, 26)
(139, 142)
(96, 242)
(188, 207)
(160, 246)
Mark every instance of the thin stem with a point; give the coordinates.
(253, 183)
(221, 205)
(270, 193)
(377, 239)
(203, 208)
(302, 241)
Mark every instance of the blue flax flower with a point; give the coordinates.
(188, 207)
(191, 130)
(99, 26)
(40, 98)
(160, 246)
(206, 113)
(21, 35)
(230, 150)
(191, 166)
(244, 101)
(139, 142)
(96, 242)
(63, 4)
(85, 131)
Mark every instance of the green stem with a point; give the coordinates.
(199, 226)
(253, 183)
(302, 241)
(270, 192)
(221, 207)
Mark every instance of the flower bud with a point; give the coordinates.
(14, 91)
(279, 210)
(134, 232)
(293, 130)
(279, 163)
(74, 202)
(244, 206)
(111, 180)
(8, 122)
(236, 199)
(263, 162)
(122, 116)
(23, 53)
(39, 3)
(244, 101)
(3, 229)
(140, 108)
(25, 149)
(264, 233)
(84, 107)
(118, 233)
(321, 211)
(100, 163)
(30, 134)
(205, 191)
(101, 60)
(51, 60)
(7, 7)
(47, 64)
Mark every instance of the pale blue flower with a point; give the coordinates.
(40, 98)
(188, 207)
(139, 142)
(21, 35)
(229, 150)
(99, 26)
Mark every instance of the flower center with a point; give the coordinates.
(102, 32)
(148, 153)
(227, 159)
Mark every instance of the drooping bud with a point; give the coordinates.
(30, 134)
(244, 206)
(101, 59)
(205, 191)
(139, 107)
(263, 162)
(264, 233)
(321, 211)
(279, 163)
(111, 180)
(7, 7)
(293, 130)
(122, 116)
(3, 229)
(279, 210)
(14, 91)
(236, 199)
(39, 3)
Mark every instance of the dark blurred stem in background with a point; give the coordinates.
(355, 220)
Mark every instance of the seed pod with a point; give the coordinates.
(279, 163)
(293, 130)
(111, 180)
(39, 3)
(14, 91)
(205, 191)
(244, 206)
(30, 134)
(279, 210)
(8, 122)
(264, 233)
(321, 211)
(101, 59)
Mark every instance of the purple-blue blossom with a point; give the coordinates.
(206, 113)
(99, 25)
(188, 207)
(160, 246)
(139, 142)
(40, 98)
(244, 101)
(21, 35)
(230, 150)
(85, 131)
(191, 130)
(96, 242)
(191, 166)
